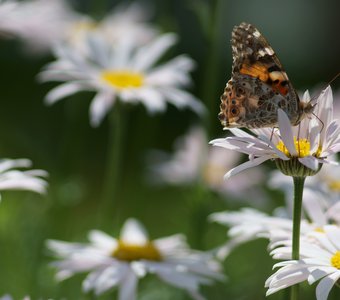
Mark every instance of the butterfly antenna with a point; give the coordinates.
(333, 79)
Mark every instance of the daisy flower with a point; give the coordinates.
(42, 24)
(122, 71)
(39, 23)
(121, 262)
(320, 261)
(195, 161)
(13, 179)
(9, 297)
(298, 150)
(249, 224)
(321, 194)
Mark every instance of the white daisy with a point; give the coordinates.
(122, 71)
(39, 23)
(305, 149)
(13, 179)
(317, 196)
(9, 297)
(320, 260)
(121, 262)
(249, 224)
(194, 161)
(122, 22)
(44, 23)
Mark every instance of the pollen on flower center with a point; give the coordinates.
(123, 79)
(334, 185)
(84, 26)
(131, 252)
(302, 146)
(335, 260)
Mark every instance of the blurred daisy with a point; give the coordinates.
(121, 262)
(125, 72)
(318, 138)
(41, 23)
(195, 161)
(122, 22)
(249, 224)
(13, 179)
(9, 297)
(321, 192)
(128, 20)
(320, 261)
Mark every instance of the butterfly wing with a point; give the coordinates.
(259, 84)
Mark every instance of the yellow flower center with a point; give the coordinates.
(84, 25)
(123, 79)
(334, 185)
(335, 260)
(302, 147)
(131, 252)
(319, 229)
(213, 174)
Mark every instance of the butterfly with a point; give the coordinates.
(259, 86)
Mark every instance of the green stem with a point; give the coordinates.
(298, 192)
(212, 61)
(114, 156)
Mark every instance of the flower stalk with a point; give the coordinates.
(298, 193)
(114, 156)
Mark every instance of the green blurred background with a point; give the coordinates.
(59, 139)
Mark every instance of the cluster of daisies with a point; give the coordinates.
(117, 59)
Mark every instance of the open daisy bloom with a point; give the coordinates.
(120, 262)
(320, 259)
(41, 24)
(249, 224)
(298, 150)
(13, 179)
(122, 71)
(196, 162)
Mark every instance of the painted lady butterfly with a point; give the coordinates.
(259, 86)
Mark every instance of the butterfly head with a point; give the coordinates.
(306, 109)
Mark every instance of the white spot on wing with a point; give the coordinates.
(257, 34)
(269, 50)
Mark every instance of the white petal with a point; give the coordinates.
(325, 285)
(306, 96)
(152, 99)
(286, 132)
(249, 164)
(63, 91)
(148, 55)
(133, 232)
(100, 106)
(319, 273)
(181, 99)
(325, 109)
(333, 234)
(6, 164)
(102, 240)
(109, 277)
(128, 287)
(310, 162)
